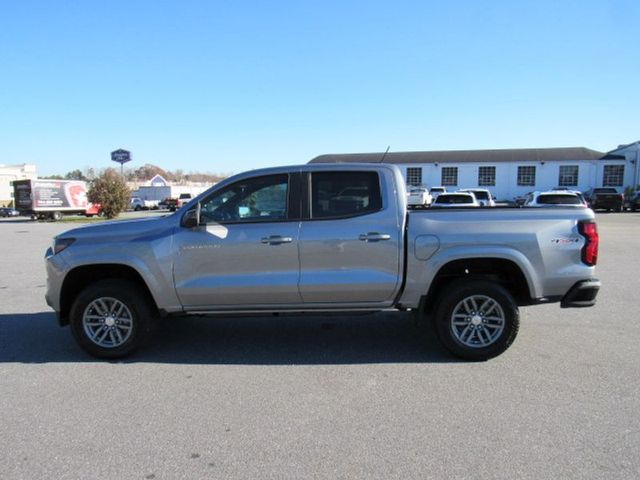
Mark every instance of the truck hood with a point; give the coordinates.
(122, 229)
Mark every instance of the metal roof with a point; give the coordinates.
(472, 156)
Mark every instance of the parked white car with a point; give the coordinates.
(455, 200)
(553, 198)
(419, 197)
(435, 191)
(483, 196)
(138, 203)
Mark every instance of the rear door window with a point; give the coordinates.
(344, 194)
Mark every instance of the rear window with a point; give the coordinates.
(552, 199)
(449, 198)
(481, 195)
(344, 194)
(605, 190)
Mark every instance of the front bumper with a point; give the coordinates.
(56, 270)
(582, 294)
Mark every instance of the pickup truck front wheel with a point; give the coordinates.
(110, 318)
(477, 320)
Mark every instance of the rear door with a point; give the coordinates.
(350, 242)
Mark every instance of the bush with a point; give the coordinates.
(111, 192)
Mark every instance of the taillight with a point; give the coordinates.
(589, 231)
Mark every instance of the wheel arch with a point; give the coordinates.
(82, 276)
(502, 271)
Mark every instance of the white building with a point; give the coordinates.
(631, 153)
(507, 173)
(158, 188)
(9, 173)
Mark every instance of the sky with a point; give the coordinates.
(229, 86)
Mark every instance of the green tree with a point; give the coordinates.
(111, 192)
(148, 171)
(75, 175)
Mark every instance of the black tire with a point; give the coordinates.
(137, 208)
(450, 334)
(139, 312)
(55, 216)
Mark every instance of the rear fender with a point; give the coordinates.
(420, 274)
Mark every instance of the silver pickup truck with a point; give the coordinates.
(322, 238)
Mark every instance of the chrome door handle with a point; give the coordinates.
(275, 240)
(374, 237)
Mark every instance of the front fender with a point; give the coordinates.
(153, 263)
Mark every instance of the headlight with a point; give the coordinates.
(60, 244)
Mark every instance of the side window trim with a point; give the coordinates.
(294, 196)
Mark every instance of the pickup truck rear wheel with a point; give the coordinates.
(477, 320)
(110, 318)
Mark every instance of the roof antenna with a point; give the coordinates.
(385, 154)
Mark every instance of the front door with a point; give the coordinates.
(245, 251)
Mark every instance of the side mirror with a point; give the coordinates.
(191, 219)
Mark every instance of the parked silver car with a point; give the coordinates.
(322, 238)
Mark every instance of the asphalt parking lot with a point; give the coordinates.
(315, 397)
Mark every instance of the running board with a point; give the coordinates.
(341, 311)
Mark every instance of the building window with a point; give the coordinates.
(449, 176)
(568, 176)
(613, 176)
(526, 176)
(414, 176)
(487, 176)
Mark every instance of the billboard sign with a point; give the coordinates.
(50, 195)
(121, 156)
(60, 194)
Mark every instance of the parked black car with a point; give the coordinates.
(632, 202)
(8, 212)
(604, 198)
